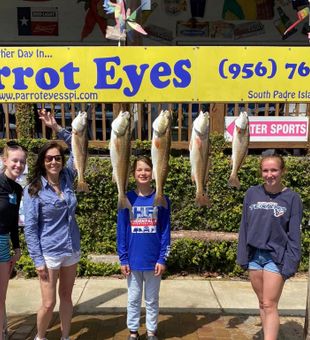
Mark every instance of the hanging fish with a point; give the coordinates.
(199, 157)
(80, 148)
(240, 143)
(120, 149)
(160, 151)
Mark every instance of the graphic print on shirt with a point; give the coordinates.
(144, 221)
(277, 209)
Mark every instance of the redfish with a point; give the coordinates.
(80, 148)
(240, 143)
(199, 157)
(120, 150)
(160, 152)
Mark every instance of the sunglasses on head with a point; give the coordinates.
(14, 145)
(49, 158)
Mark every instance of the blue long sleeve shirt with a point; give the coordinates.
(271, 222)
(144, 240)
(50, 224)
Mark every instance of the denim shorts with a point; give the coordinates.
(5, 255)
(61, 261)
(262, 260)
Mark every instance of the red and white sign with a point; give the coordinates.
(272, 129)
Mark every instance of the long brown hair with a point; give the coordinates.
(39, 168)
(12, 146)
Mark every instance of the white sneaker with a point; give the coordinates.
(36, 338)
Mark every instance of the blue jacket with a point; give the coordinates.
(271, 222)
(145, 240)
(50, 225)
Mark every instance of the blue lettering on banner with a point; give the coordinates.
(161, 75)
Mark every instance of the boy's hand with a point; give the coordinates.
(159, 269)
(125, 270)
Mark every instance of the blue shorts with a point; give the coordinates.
(262, 260)
(5, 255)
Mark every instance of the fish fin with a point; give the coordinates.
(203, 200)
(234, 182)
(157, 143)
(198, 142)
(123, 203)
(82, 187)
(160, 201)
(117, 145)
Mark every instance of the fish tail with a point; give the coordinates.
(82, 187)
(161, 201)
(123, 203)
(234, 181)
(202, 200)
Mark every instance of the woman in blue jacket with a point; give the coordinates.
(143, 244)
(51, 231)
(269, 239)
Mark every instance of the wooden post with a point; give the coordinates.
(217, 118)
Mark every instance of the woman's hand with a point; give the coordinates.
(43, 273)
(49, 120)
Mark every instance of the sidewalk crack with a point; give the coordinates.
(82, 292)
(216, 298)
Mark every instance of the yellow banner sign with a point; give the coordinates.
(154, 74)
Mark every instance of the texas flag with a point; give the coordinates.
(37, 21)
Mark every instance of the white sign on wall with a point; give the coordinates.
(272, 129)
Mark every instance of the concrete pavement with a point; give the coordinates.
(101, 295)
(189, 308)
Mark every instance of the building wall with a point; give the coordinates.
(170, 23)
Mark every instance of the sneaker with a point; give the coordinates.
(36, 338)
(132, 337)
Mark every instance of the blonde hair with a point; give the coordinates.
(11, 146)
(278, 157)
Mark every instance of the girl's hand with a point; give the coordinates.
(125, 270)
(49, 120)
(43, 273)
(159, 269)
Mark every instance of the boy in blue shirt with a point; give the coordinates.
(143, 244)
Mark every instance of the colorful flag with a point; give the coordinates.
(37, 20)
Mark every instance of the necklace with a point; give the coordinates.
(53, 184)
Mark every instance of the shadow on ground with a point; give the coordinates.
(171, 326)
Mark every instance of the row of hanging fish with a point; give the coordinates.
(120, 151)
(199, 149)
